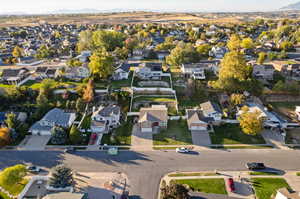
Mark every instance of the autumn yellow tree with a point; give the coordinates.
(88, 95)
(4, 136)
(251, 122)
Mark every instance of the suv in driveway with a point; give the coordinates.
(255, 166)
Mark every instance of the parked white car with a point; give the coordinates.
(182, 150)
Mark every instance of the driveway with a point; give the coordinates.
(201, 138)
(274, 138)
(34, 142)
(141, 140)
(102, 184)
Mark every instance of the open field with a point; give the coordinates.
(114, 18)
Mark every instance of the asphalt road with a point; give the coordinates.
(144, 170)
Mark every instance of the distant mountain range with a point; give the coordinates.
(293, 6)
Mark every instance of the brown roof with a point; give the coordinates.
(154, 114)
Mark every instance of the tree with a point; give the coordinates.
(247, 43)
(183, 53)
(286, 45)
(11, 121)
(234, 65)
(174, 191)
(4, 136)
(61, 177)
(234, 43)
(109, 40)
(237, 99)
(75, 135)
(42, 99)
(204, 49)
(80, 105)
(11, 176)
(85, 41)
(17, 52)
(45, 52)
(58, 135)
(101, 63)
(88, 95)
(261, 57)
(251, 122)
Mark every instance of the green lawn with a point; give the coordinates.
(266, 187)
(260, 173)
(232, 134)
(177, 133)
(121, 136)
(191, 174)
(122, 83)
(242, 147)
(17, 188)
(214, 186)
(6, 86)
(3, 196)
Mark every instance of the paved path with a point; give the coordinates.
(145, 169)
(140, 141)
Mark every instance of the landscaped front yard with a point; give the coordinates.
(266, 187)
(177, 133)
(232, 134)
(120, 136)
(213, 186)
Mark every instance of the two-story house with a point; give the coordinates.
(195, 71)
(149, 71)
(105, 117)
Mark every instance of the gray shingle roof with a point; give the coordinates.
(109, 110)
(58, 116)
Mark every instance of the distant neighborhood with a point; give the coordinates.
(149, 87)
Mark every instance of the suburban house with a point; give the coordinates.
(285, 193)
(153, 117)
(211, 110)
(122, 72)
(162, 54)
(270, 118)
(15, 76)
(195, 71)
(77, 73)
(149, 71)
(84, 55)
(55, 117)
(196, 120)
(105, 117)
(139, 54)
(265, 71)
(218, 52)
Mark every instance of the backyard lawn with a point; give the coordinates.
(266, 187)
(177, 133)
(214, 186)
(16, 188)
(3, 196)
(122, 83)
(232, 134)
(121, 136)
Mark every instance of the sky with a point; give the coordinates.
(46, 6)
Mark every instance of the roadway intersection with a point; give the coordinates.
(145, 169)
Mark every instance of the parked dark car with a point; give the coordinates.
(69, 150)
(255, 166)
(231, 186)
